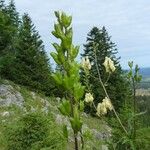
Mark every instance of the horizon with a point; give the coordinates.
(126, 22)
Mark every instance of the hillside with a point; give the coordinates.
(145, 72)
(17, 101)
(145, 83)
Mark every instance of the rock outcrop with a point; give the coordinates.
(9, 96)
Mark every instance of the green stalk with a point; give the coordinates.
(101, 82)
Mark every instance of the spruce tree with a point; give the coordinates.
(2, 5)
(13, 14)
(117, 86)
(8, 37)
(32, 66)
(9, 25)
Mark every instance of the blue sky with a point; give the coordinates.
(127, 21)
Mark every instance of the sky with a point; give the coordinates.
(127, 21)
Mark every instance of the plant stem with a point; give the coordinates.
(101, 82)
(82, 140)
(134, 107)
(76, 141)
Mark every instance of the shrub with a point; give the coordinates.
(34, 131)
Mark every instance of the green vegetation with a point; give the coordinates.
(34, 131)
(23, 58)
(71, 105)
(33, 118)
(88, 105)
(117, 85)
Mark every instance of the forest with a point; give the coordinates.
(90, 103)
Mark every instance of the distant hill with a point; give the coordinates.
(145, 72)
(145, 83)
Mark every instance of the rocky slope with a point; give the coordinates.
(14, 98)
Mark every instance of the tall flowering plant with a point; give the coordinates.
(72, 104)
(106, 105)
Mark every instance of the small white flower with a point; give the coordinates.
(86, 63)
(89, 98)
(101, 109)
(107, 103)
(109, 65)
(104, 106)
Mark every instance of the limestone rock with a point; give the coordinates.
(9, 96)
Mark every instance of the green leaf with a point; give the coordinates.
(58, 78)
(61, 57)
(130, 74)
(67, 41)
(136, 68)
(74, 52)
(65, 131)
(55, 34)
(57, 47)
(78, 90)
(74, 70)
(81, 106)
(55, 57)
(68, 82)
(65, 108)
(130, 64)
(58, 30)
(66, 20)
(57, 14)
(76, 123)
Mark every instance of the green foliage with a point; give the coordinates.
(69, 79)
(120, 141)
(65, 108)
(143, 105)
(31, 63)
(23, 58)
(34, 131)
(131, 118)
(8, 27)
(8, 34)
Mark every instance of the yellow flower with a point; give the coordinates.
(101, 109)
(86, 63)
(109, 65)
(104, 106)
(89, 98)
(107, 103)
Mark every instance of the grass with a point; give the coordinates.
(36, 102)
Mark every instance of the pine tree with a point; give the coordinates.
(117, 86)
(13, 14)
(31, 64)
(2, 5)
(9, 23)
(9, 26)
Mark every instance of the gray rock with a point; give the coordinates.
(9, 96)
(102, 135)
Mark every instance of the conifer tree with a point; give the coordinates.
(14, 22)
(2, 5)
(116, 85)
(9, 25)
(13, 14)
(8, 37)
(31, 63)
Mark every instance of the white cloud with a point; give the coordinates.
(127, 22)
